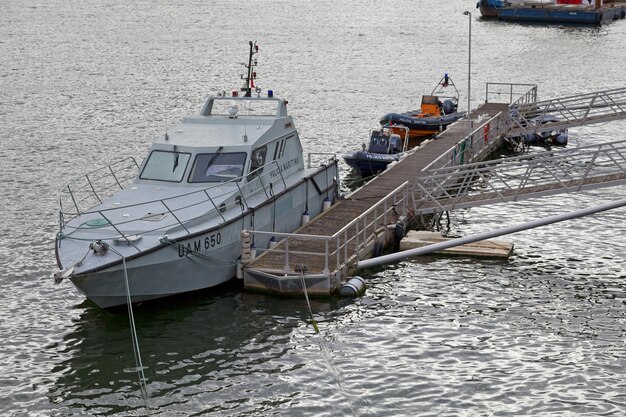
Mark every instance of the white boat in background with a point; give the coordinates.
(172, 224)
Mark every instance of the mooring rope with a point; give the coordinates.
(133, 333)
(301, 269)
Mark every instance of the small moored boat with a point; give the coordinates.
(174, 223)
(540, 133)
(384, 147)
(438, 111)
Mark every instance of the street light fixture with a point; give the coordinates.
(469, 75)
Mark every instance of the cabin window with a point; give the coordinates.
(217, 167)
(165, 166)
(257, 161)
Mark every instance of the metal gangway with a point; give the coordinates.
(520, 177)
(320, 255)
(543, 116)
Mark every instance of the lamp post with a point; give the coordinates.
(469, 75)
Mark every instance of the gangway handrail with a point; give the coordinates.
(364, 231)
(566, 170)
(570, 111)
(529, 96)
(482, 136)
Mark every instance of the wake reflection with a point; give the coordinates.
(194, 345)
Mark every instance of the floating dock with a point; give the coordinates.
(446, 173)
(542, 12)
(484, 248)
(322, 252)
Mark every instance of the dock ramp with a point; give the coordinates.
(449, 172)
(561, 113)
(520, 178)
(323, 260)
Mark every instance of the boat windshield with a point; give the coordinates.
(217, 167)
(165, 166)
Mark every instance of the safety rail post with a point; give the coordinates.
(326, 256)
(280, 172)
(263, 185)
(405, 197)
(118, 231)
(241, 193)
(345, 247)
(287, 268)
(357, 249)
(92, 189)
(173, 215)
(332, 159)
(364, 239)
(115, 178)
(214, 206)
(338, 253)
(385, 212)
(73, 199)
(61, 216)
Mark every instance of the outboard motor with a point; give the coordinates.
(561, 138)
(449, 107)
(396, 145)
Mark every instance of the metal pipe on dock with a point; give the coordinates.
(385, 259)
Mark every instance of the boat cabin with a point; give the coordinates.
(233, 139)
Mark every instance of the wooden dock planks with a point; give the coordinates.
(346, 210)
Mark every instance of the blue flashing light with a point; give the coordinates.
(270, 93)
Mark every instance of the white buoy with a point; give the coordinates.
(327, 204)
(273, 242)
(305, 217)
(353, 288)
(246, 241)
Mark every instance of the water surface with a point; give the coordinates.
(82, 83)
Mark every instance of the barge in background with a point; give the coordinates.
(562, 11)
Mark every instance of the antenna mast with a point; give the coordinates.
(251, 75)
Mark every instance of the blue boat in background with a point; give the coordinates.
(581, 12)
(489, 8)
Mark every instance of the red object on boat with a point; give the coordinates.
(569, 1)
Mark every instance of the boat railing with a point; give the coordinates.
(91, 189)
(511, 93)
(333, 255)
(251, 106)
(316, 159)
(182, 208)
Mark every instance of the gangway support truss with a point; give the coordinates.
(566, 112)
(521, 177)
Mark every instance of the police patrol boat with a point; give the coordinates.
(172, 224)
(384, 148)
